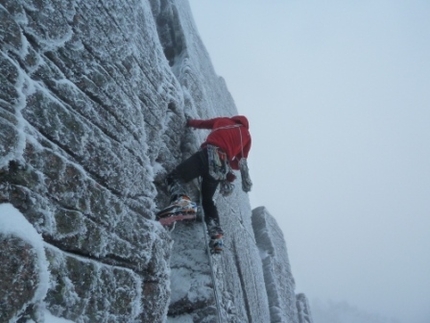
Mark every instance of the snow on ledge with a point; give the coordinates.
(49, 318)
(13, 223)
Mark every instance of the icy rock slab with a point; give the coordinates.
(84, 92)
(19, 276)
(85, 290)
(24, 270)
(304, 310)
(191, 284)
(278, 277)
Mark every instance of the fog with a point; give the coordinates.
(337, 93)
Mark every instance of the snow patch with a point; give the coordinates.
(49, 318)
(13, 223)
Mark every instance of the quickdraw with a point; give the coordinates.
(219, 165)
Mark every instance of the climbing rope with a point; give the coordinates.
(205, 230)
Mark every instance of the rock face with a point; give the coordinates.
(303, 308)
(85, 88)
(19, 270)
(24, 276)
(278, 277)
(93, 100)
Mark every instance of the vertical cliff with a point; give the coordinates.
(285, 306)
(93, 101)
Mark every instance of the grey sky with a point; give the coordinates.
(338, 96)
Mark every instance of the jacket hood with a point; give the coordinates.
(242, 120)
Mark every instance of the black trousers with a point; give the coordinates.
(196, 166)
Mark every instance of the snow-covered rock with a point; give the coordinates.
(278, 277)
(24, 268)
(304, 310)
(94, 96)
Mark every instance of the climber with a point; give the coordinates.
(225, 149)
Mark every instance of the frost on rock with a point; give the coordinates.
(85, 91)
(24, 268)
(278, 277)
(90, 289)
(304, 310)
(94, 97)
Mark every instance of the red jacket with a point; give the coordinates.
(229, 134)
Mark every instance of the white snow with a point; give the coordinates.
(49, 318)
(13, 223)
